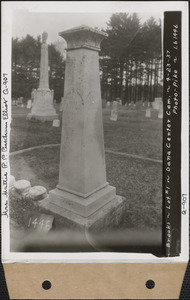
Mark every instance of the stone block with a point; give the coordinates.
(109, 216)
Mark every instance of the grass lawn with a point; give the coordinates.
(140, 181)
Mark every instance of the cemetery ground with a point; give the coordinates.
(133, 151)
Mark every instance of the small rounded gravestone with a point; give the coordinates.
(11, 181)
(37, 193)
(56, 123)
(22, 186)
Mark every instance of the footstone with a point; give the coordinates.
(22, 186)
(157, 102)
(56, 123)
(37, 193)
(148, 113)
(114, 111)
(82, 191)
(29, 103)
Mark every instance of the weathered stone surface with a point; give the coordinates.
(29, 103)
(156, 103)
(114, 111)
(22, 186)
(82, 159)
(56, 123)
(37, 193)
(84, 206)
(82, 191)
(42, 108)
(110, 216)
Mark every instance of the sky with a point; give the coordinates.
(34, 23)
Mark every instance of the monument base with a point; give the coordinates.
(42, 108)
(109, 216)
(41, 118)
(83, 205)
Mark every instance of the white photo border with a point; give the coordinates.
(106, 6)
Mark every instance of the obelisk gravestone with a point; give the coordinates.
(83, 190)
(42, 108)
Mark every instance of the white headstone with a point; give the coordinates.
(114, 111)
(160, 113)
(156, 103)
(29, 103)
(108, 104)
(56, 123)
(148, 113)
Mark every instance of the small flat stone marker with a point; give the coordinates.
(42, 106)
(114, 111)
(56, 123)
(148, 113)
(82, 192)
(39, 222)
(22, 186)
(29, 103)
(160, 112)
(37, 193)
(156, 103)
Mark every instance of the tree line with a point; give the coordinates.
(130, 62)
(26, 67)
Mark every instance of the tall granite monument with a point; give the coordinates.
(83, 196)
(42, 108)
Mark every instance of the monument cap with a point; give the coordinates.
(83, 37)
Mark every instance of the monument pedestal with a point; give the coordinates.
(107, 217)
(43, 109)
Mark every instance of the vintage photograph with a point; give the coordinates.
(94, 149)
(86, 134)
